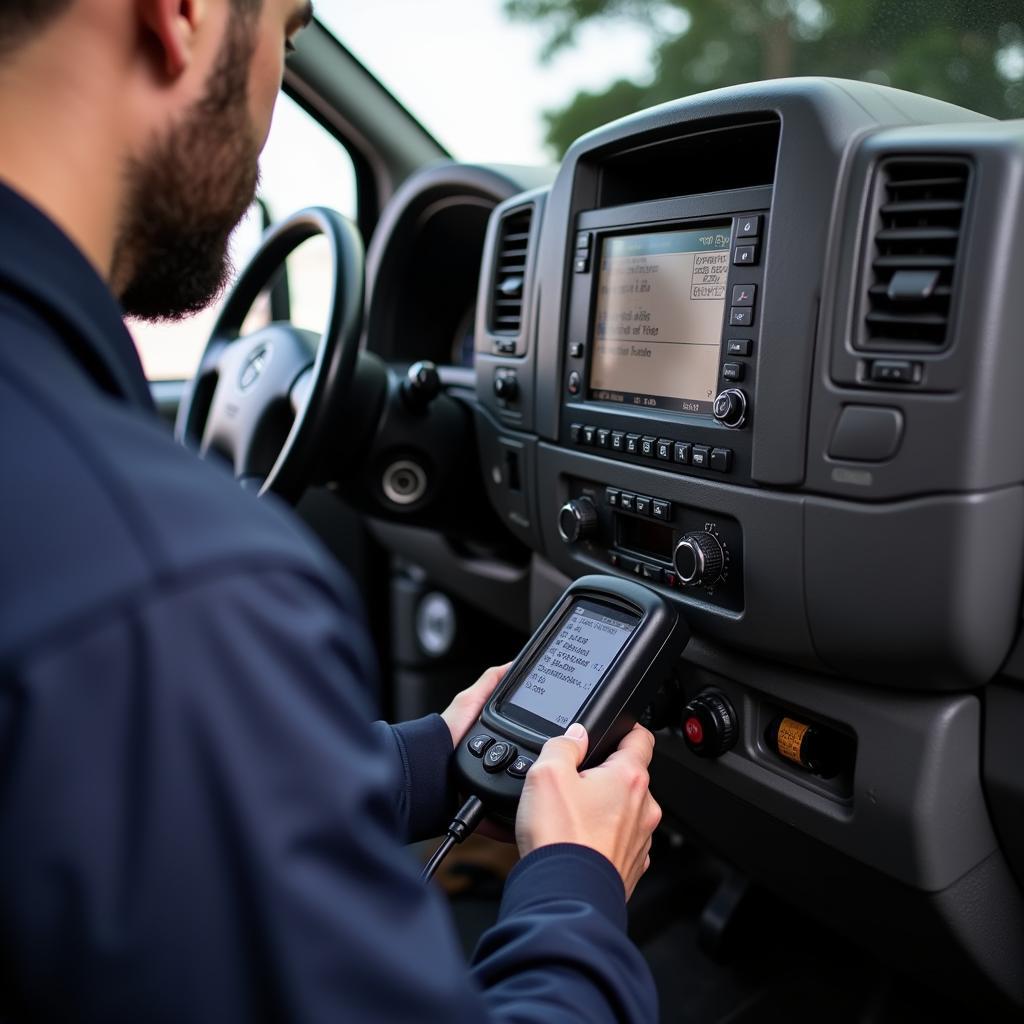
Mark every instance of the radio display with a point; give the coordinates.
(646, 537)
(658, 319)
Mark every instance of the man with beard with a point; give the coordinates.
(197, 821)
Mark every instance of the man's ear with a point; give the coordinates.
(172, 26)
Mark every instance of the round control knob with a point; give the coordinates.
(699, 559)
(730, 408)
(506, 387)
(421, 386)
(710, 726)
(576, 519)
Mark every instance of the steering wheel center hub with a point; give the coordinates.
(266, 401)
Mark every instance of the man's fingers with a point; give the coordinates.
(568, 750)
(637, 744)
(476, 696)
(639, 739)
(489, 680)
(467, 704)
(643, 860)
(652, 813)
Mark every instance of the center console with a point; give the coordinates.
(756, 349)
(662, 324)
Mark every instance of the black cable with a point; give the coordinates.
(461, 827)
(436, 857)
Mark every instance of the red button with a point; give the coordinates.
(694, 730)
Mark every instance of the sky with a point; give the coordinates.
(473, 77)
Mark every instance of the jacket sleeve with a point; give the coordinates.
(425, 798)
(198, 823)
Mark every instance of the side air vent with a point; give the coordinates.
(506, 314)
(912, 260)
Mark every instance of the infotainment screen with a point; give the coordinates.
(658, 319)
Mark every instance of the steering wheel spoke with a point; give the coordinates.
(265, 402)
(302, 386)
(209, 363)
(252, 483)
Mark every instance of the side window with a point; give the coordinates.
(302, 165)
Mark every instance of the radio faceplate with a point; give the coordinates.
(663, 543)
(662, 332)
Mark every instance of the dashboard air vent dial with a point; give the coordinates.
(912, 260)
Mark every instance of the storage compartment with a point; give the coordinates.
(717, 157)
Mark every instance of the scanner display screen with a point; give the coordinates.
(574, 661)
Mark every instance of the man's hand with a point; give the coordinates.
(608, 808)
(465, 709)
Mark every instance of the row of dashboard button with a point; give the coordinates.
(641, 504)
(683, 453)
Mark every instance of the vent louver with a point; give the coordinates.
(510, 272)
(912, 264)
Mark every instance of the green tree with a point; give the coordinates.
(969, 52)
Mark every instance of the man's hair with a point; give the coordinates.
(21, 19)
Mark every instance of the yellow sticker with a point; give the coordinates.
(791, 739)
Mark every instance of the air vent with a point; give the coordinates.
(913, 259)
(510, 272)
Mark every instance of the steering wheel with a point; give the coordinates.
(266, 401)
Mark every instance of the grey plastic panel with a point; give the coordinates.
(918, 594)
(1004, 769)
(918, 811)
(962, 421)
(866, 433)
(546, 586)
(1013, 669)
(498, 587)
(508, 467)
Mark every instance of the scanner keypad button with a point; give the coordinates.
(478, 744)
(520, 766)
(498, 755)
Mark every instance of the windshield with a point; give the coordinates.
(518, 80)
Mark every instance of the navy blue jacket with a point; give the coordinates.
(197, 820)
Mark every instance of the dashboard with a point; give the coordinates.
(760, 349)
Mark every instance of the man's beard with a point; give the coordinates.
(187, 194)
